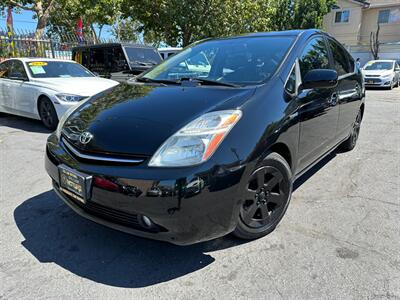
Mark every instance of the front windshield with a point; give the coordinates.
(142, 55)
(57, 69)
(239, 61)
(379, 65)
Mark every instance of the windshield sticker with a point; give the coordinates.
(38, 64)
(37, 70)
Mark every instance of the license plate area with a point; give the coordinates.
(74, 183)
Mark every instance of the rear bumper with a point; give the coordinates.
(186, 208)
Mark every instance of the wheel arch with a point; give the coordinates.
(362, 107)
(283, 150)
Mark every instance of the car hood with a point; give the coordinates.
(136, 119)
(377, 72)
(83, 86)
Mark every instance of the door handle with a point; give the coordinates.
(333, 100)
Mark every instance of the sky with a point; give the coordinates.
(24, 21)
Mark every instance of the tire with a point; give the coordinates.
(266, 198)
(351, 142)
(47, 113)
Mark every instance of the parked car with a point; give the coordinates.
(166, 52)
(44, 89)
(382, 73)
(191, 158)
(116, 61)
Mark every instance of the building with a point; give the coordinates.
(352, 21)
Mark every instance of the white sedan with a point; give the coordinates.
(381, 73)
(44, 89)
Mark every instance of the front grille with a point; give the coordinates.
(373, 80)
(101, 158)
(372, 76)
(126, 219)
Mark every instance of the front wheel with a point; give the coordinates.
(267, 196)
(48, 113)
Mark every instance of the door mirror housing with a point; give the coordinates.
(397, 69)
(320, 78)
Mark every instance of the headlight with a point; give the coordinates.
(66, 115)
(69, 97)
(197, 141)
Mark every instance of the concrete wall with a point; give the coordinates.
(346, 33)
(387, 33)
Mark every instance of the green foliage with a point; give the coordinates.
(100, 12)
(299, 14)
(181, 22)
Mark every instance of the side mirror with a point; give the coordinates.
(397, 69)
(320, 78)
(17, 76)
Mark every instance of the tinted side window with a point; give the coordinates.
(18, 68)
(314, 56)
(5, 69)
(291, 82)
(340, 58)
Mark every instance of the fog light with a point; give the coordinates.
(147, 221)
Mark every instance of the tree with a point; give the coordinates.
(374, 43)
(41, 8)
(300, 14)
(92, 12)
(181, 22)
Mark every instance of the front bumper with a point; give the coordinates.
(187, 205)
(378, 82)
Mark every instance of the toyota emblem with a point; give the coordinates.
(85, 137)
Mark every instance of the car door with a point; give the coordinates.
(318, 112)
(24, 93)
(397, 71)
(6, 95)
(349, 88)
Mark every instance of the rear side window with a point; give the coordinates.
(5, 69)
(314, 56)
(341, 59)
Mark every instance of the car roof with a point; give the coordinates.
(295, 33)
(30, 59)
(106, 45)
(382, 60)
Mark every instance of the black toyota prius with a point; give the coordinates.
(210, 141)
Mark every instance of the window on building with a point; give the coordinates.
(342, 16)
(389, 16)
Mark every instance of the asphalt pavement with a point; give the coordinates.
(340, 238)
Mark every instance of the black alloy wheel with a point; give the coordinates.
(351, 142)
(48, 114)
(266, 198)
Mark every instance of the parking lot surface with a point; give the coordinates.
(340, 238)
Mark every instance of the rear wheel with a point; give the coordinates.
(351, 142)
(267, 197)
(47, 113)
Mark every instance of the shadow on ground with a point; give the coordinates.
(26, 124)
(54, 233)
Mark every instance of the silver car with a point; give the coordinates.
(381, 73)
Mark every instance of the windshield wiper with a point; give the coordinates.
(149, 80)
(204, 81)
